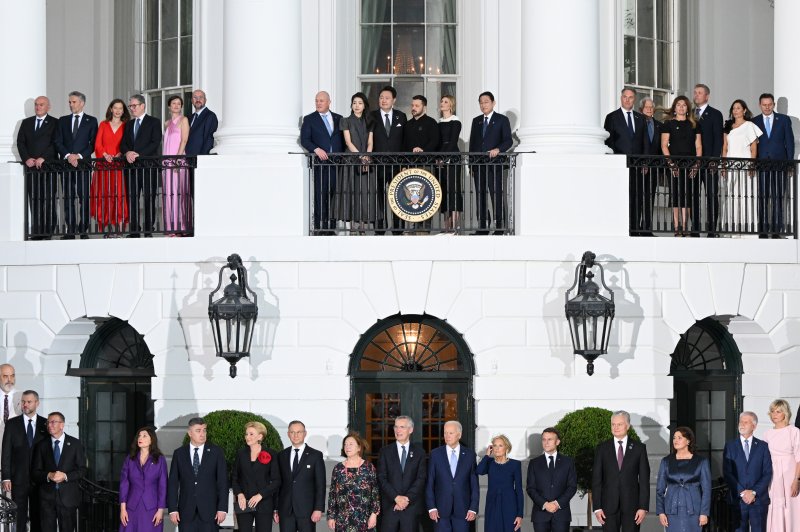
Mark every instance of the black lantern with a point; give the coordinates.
(233, 316)
(589, 314)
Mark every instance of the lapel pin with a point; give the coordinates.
(308, 466)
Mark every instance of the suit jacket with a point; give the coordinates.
(545, 485)
(710, 125)
(393, 142)
(422, 133)
(207, 492)
(17, 456)
(780, 143)
(302, 491)
(83, 141)
(498, 134)
(314, 134)
(251, 478)
(41, 143)
(148, 140)
(144, 487)
(754, 474)
(72, 463)
(201, 133)
(394, 481)
(619, 136)
(626, 489)
(448, 494)
(15, 409)
(652, 147)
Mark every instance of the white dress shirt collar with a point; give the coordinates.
(489, 116)
(624, 444)
(450, 450)
(199, 453)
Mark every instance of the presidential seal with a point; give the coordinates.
(415, 195)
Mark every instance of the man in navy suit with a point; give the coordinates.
(301, 499)
(36, 143)
(75, 145)
(747, 468)
(709, 121)
(320, 134)
(387, 138)
(451, 493)
(491, 134)
(776, 143)
(552, 482)
(202, 126)
(197, 487)
(401, 477)
(141, 138)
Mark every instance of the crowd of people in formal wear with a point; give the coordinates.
(107, 169)
(732, 193)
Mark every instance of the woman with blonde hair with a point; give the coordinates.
(255, 480)
(784, 447)
(448, 169)
(505, 502)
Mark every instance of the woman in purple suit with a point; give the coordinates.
(143, 485)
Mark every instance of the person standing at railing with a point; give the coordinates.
(709, 123)
(176, 175)
(75, 144)
(449, 169)
(784, 490)
(681, 137)
(36, 143)
(683, 488)
(777, 143)
(143, 485)
(421, 135)
(388, 138)
(109, 204)
(202, 126)
(740, 141)
(355, 201)
(647, 180)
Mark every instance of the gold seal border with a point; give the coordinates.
(437, 193)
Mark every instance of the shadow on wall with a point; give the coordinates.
(555, 320)
(628, 314)
(782, 106)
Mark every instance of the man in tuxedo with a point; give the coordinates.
(59, 463)
(10, 404)
(36, 143)
(401, 477)
(451, 492)
(197, 486)
(301, 499)
(21, 435)
(552, 482)
(490, 134)
(709, 121)
(320, 135)
(75, 144)
(646, 180)
(747, 468)
(620, 479)
(388, 138)
(202, 126)
(776, 143)
(141, 138)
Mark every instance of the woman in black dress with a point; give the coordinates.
(449, 168)
(255, 480)
(681, 137)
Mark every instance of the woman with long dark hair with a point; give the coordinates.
(681, 137)
(109, 204)
(143, 485)
(740, 141)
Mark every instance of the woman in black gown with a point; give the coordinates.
(681, 137)
(449, 168)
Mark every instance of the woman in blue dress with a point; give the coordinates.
(504, 499)
(683, 490)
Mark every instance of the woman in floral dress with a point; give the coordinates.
(354, 499)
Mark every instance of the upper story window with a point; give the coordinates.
(410, 44)
(649, 44)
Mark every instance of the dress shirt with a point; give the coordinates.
(384, 114)
(72, 121)
(60, 448)
(624, 445)
(199, 453)
(299, 454)
(547, 462)
(702, 108)
(633, 117)
(489, 116)
(400, 450)
(450, 450)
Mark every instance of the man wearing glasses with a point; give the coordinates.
(401, 475)
(302, 495)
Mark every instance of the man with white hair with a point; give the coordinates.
(10, 405)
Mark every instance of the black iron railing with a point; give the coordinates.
(690, 196)
(152, 196)
(99, 508)
(8, 514)
(390, 193)
(720, 518)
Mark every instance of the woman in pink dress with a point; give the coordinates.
(784, 446)
(176, 176)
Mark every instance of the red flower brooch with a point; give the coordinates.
(264, 457)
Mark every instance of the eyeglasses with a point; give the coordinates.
(135, 105)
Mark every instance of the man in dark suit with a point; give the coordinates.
(387, 138)
(777, 143)
(451, 492)
(552, 482)
(401, 477)
(75, 144)
(36, 143)
(141, 138)
(197, 487)
(59, 463)
(301, 499)
(491, 134)
(22, 433)
(620, 479)
(320, 135)
(646, 180)
(747, 468)
(202, 126)
(709, 121)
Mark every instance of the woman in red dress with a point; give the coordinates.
(109, 204)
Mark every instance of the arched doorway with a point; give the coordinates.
(414, 365)
(115, 369)
(707, 384)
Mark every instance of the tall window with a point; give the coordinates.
(166, 44)
(410, 44)
(649, 44)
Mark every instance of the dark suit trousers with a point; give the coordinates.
(551, 525)
(42, 190)
(263, 521)
(27, 498)
(405, 521)
(749, 518)
(75, 185)
(324, 192)
(195, 524)
(143, 181)
(621, 521)
(489, 178)
(709, 180)
(452, 524)
(291, 523)
(52, 513)
(771, 188)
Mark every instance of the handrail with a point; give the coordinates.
(8, 513)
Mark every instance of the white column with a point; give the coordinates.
(261, 105)
(787, 78)
(561, 80)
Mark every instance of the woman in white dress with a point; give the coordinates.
(738, 205)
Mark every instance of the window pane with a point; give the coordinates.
(406, 88)
(665, 65)
(441, 58)
(376, 49)
(151, 20)
(186, 61)
(409, 11)
(377, 11)
(188, 109)
(150, 65)
(409, 46)
(630, 60)
(441, 11)
(645, 63)
(154, 108)
(186, 17)
(434, 90)
(169, 18)
(169, 63)
(644, 18)
(662, 101)
(664, 21)
(372, 89)
(630, 17)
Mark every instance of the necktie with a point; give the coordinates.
(630, 123)
(136, 127)
(327, 124)
(56, 454)
(453, 462)
(194, 117)
(650, 130)
(697, 113)
(5, 409)
(387, 124)
(403, 458)
(768, 125)
(485, 126)
(296, 460)
(75, 123)
(747, 450)
(196, 461)
(620, 455)
(29, 433)
(552, 465)
(38, 123)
